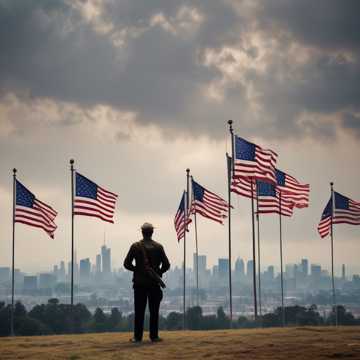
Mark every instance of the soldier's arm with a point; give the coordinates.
(128, 262)
(165, 264)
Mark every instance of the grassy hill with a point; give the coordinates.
(289, 343)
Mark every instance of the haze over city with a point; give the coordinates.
(138, 91)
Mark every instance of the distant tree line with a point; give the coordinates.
(56, 318)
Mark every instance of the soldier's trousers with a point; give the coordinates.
(142, 295)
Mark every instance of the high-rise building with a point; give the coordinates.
(249, 269)
(289, 271)
(46, 281)
(85, 268)
(271, 272)
(62, 271)
(223, 267)
(98, 264)
(106, 259)
(4, 274)
(56, 271)
(315, 271)
(239, 267)
(305, 267)
(202, 263)
(343, 274)
(30, 282)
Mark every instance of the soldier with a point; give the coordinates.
(150, 263)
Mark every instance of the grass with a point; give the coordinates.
(289, 343)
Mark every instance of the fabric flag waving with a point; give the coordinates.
(208, 204)
(93, 200)
(243, 187)
(346, 211)
(292, 190)
(270, 201)
(179, 221)
(31, 211)
(252, 161)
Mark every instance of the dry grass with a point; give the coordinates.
(290, 343)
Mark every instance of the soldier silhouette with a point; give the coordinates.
(150, 263)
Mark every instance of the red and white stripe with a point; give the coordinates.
(180, 224)
(275, 205)
(295, 192)
(103, 207)
(324, 226)
(212, 207)
(350, 216)
(242, 187)
(40, 215)
(263, 168)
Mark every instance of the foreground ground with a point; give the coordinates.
(289, 343)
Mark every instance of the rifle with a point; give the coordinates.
(151, 272)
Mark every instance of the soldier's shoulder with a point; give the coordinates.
(135, 244)
(157, 244)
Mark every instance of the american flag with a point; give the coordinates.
(252, 161)
(179, 220)
(346, 211)
(243, 187)
(208, 204)
(270, 201)
(93, 200)
(31, 211)
(292, 190)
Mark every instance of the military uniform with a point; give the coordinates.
(145, 287)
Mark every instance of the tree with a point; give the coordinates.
(114, 319)
(222, 319)
(174, 321)
(194, 317)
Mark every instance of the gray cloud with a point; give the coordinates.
(123, 56)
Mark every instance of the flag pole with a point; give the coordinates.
(229, 229)
(12, 333)
(258, 237)
(281, 268)
(332, 253)
(197, 255)
(186, 217)
(231, 172)
(72, 232)
(253, 248)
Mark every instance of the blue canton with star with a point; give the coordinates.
(341, 201)
(265, 189)
(85, 187)
(23, 196)
(280, 177)
(244, 150)
(198, 191)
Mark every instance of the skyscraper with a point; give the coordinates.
(98, 264)
(305, 267)
(202, 263)
(249, 269)
(62, 271)
(85, 268)
(106, 259)
(239, 267)
(343, 273)
(223, 267)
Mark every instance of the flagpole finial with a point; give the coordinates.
(230, 122)
(331, 183)
(72, 161)
(188, 170)
(14, 171)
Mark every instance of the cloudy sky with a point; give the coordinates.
(136, 91)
